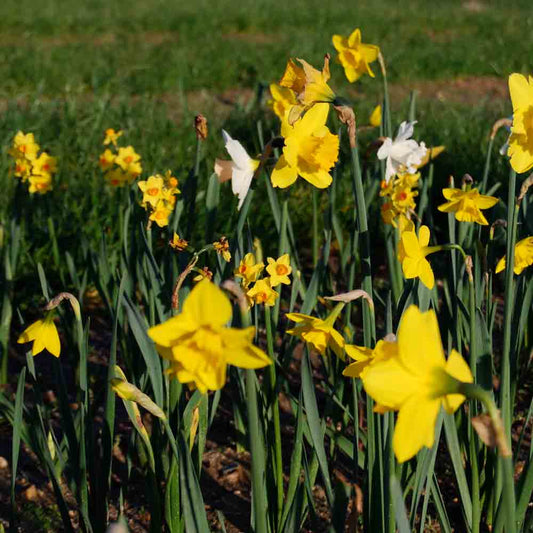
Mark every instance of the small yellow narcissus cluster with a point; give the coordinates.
(199, 344)
(36, 170)
(262, 291)
(121, 165)
(399, 195)
(159, 197)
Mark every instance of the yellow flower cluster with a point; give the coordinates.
(399, 195)
(262, 291)
(121, 165)
(159, 197)
(36, 170)
(198, 343)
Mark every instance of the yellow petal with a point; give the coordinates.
(521, 91)
(457, 367)
(423, 236)
(426, 274)
(283, 175)
(415, 427)
(419, 342)
(314, 119)
(207, 304)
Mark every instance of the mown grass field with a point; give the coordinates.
(69, 70)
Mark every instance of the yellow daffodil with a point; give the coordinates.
(365, 356)
(375, 117)
(129, 160)
(171, 182)
(416, 382)
(403, 198)
(467, 205)
(523, 256)
(24, 146)
(161, 213)
(152, 190)
(40, 184)
(413, 256)
(262, 293)
(309, 84)
(178, 244)
(318, 333)
(310, 150)
(198, 344)
(111, 136)
(222, 248)
(22, 169)
(279, 270)
(248, 269)
(44, 335)
(282, 101)
(44, 165)
(116, 177)
(106, 159)
(521, 140)
(355, 56)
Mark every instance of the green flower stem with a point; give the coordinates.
(315, 226)
(274, 407)
(512, 217)
(501, 437)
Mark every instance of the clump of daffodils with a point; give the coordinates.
(121, 165)
(159, 197)
(261, 291)
(31, 167)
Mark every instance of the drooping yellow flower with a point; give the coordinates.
(129, 161)
(40, 184)
(521, 140)
(467, 205)
(262, 293)
(375, 117)
(413, 256)
(24, 146)
(248, 269)
(161, 213)
(431, 154)
(523, 256)
(152, 190)
(320, 334)
(365, 356)
(283, 99)
(44, 165)
(355, 56)
(279, 270)
(222, 248)
(178, 244)
(310, 150)
(111, 136)
(416, 382)
(309, 84)
(198, 344)
(44, 335)
(203, 273)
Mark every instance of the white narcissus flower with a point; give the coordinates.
(240, 170)
(403, 154)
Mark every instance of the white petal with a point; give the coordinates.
(236, 151)
(240, 183)
(405, 131)
(385, 148)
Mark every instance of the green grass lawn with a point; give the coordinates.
(71, 69)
